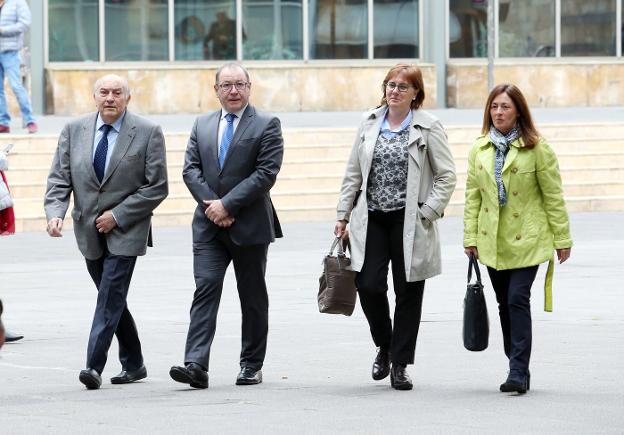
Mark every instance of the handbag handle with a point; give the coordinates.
(342, 247)
(472, 263)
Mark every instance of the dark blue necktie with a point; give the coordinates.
(99, 160)
(227, 138)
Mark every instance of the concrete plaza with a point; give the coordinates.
(317, 372)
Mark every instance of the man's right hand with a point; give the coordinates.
(55, 226)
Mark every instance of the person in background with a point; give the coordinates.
(14, 22)
(514, 217)
(7, 220)
(399, 178)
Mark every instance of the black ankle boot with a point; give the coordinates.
(399, 379)
(381, 365)
(518, 381)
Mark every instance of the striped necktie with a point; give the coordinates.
(227, 138)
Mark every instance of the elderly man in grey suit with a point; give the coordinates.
(114, 163)
(232, 159)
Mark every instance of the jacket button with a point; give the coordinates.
(486, 209)
(480, 166)
(514, 170)
(516, 215)
(482, 189)
(515, 193)
(518, 237)
(484, 232)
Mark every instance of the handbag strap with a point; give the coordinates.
(472, 263)
(342, 247)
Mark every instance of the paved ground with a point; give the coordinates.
(317, 372)
(182, 123)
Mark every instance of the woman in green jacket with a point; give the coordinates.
(514, 218)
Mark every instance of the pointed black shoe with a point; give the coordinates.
(128, 376)
(399, 379)
(249, 376)
(90, 378)
(10, 337)
(381, 365)
(192, 374)
(518, 381)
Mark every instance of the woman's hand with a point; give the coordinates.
(471, 250)
(341, 230)
(563, 254)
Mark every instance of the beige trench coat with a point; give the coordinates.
(430, 183)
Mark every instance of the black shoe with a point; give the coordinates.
(90, 378)
(381, 365)
(399, 379)
(518, 381)
(249, 376)
(128, 376)
(193, 374)
(9, 337)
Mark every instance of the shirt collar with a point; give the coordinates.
(116, 125)
(385, 125)
(238, 114)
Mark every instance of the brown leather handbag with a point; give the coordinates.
(337, 292)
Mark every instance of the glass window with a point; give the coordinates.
(205, 29)
(396, 28)
(73, 30)
(338, 29)
(136, 30)
(588, 28)
(468, 28)
(526, 28)
(284, 18)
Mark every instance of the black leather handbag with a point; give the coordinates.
(337, 293)
(476, 328)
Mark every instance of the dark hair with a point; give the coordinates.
(414, 76)
(530, 135)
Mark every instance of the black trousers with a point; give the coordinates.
(210, 261)
(384, 244)
(513, 294)
(111, 275)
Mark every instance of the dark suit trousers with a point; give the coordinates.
(210, 261)
(513, 294)
(111, 275)
(384, 244)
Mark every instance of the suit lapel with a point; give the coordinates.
(208, 136)
(511, 156)
(87, 136)
(124, 138)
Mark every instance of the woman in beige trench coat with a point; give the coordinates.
(399, 178)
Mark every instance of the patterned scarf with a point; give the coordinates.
(501, 142)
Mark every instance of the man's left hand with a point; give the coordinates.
(215, 210)
(106, 222)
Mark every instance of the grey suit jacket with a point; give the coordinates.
(249, 171)
(134, 184)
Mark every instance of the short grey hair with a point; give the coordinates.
(124, 83)
(231, 65)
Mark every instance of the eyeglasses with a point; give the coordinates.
(402, 87)
(227, 87)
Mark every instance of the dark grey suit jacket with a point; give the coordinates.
(134, 184)
(249, 171)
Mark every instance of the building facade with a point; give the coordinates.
(326, 54)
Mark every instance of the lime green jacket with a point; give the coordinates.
(534, 221)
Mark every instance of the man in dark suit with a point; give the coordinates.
(232, 159)
(114, 163)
